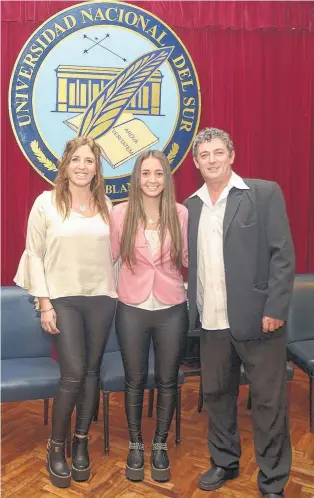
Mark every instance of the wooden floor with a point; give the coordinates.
(24, 442)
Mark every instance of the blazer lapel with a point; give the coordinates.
(233, 201)
(142, 246)
(167, 246)
(195, 207)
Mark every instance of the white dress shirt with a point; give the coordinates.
(211, 283)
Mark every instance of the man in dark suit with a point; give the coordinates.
(241, 269)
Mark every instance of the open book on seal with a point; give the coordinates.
(126, 139)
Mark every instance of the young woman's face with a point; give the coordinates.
(152, 177)
(82, 166)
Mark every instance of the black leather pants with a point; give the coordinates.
(84, 324)
(135, 329)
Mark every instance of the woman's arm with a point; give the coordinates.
(31, 272)
(115, 219)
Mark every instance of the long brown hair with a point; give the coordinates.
(135, 213)
(63, 194)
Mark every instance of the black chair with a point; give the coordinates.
(300, 332)
(112, 380)
(192, 358)
(27, 370)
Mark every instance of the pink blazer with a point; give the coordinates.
(164, 280)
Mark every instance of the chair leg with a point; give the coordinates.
(200, 397)
(312, 404)
(289, 384)
(178, 416)
(69, 440)
(46, 411)
(96, 412)
(249, 400)
(150, 402)
(106, 421)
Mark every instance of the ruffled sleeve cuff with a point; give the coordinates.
(31, 275)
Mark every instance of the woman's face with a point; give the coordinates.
(82, 166)
(152, 177)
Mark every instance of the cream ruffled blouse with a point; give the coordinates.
(70, 257)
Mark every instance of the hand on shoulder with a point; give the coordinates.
(109, 203)
(120, 207)
(181, 208)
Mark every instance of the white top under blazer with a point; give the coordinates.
(152, 303)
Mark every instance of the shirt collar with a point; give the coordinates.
(235, 181)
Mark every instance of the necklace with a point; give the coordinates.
(83, 208)
(150, 219)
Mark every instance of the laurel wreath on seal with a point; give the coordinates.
(107, 107)
(173, 152)
(41, 157)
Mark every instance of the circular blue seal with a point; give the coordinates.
(112, 71)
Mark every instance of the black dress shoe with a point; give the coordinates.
(215, 477)
(135, 462)
(273, 495)
(80, 459)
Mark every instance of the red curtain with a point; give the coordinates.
(255, 62)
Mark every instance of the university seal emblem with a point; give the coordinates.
(111, 71)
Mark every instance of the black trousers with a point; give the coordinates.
(135, 329)
(84, 323)
(264, 361)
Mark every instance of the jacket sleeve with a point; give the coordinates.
(282, 260)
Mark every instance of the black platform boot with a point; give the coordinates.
(135, 461)
(80, 459)
(166, 401)
(59, 472)
(160, 461)
(133, 407)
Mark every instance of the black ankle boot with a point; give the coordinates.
(135, 462)
(80, 459)
(160, 462)
(59, 472)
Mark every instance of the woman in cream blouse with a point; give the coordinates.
(67, 265)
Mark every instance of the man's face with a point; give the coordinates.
(214, 161)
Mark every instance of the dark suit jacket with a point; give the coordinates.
(258, 257)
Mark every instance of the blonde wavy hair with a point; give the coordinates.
(63, 196)
(135, 213)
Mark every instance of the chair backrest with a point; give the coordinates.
(21, 332)
(300, 324)
(112, 342)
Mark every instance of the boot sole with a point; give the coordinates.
(58, 481)
(134, 474)
(160, 475)
(80, 475)
(212, 487)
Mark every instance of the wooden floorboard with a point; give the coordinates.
(24, 439)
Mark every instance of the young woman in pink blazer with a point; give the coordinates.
(149, 234)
